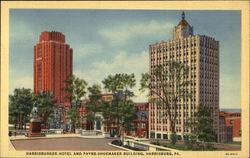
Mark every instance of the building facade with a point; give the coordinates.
(225, 132)
(141, 122)
(233, 120)
(201, 54)
(52, 65)
(96, 125)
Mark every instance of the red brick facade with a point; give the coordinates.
(233, 120)
(141, 122)
(52, 64)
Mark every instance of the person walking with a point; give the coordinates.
(10, 133)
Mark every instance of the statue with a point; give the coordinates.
(34, 112)
(35, 123)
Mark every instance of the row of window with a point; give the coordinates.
(171, 48)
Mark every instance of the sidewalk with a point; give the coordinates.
(11, 147)
(73, 143)
(56, 136)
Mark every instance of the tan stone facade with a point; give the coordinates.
(201, 54)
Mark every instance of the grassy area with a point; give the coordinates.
(13, 129)
(232, 143)
(185, 147)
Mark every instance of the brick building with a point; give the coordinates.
(201, 54)
(83, 111)
(233, 120)
(141, 123)
(225, 132)
(53, 60)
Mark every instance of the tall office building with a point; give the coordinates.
(201, 54)
(52, 64)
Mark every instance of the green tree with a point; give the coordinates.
(46, 105)
(20, 106)
(76, 90)
(202, 127)
(127, 113)
(94, 104)
(168, 85)
(108, 115)
(73, 115)
(123, 110)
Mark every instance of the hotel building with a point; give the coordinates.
(201, 54)
(52, 64)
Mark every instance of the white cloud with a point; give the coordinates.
(123, 62)
(122, 33)
(84, 50)
(23, 82)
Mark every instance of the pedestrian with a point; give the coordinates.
(10, 133)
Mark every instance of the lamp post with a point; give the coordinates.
(61, 115)
(122, 130)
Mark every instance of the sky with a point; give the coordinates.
(117, 41)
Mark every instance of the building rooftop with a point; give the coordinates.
(183, 22)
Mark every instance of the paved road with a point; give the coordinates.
(64, 144)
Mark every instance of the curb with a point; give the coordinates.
(119, 147)
(58, 136)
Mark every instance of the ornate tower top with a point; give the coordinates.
(183, 29)
(183, 16)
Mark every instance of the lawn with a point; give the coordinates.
(185, 147)
(13, 129)
(232, 143)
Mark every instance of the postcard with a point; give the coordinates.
(125, 79)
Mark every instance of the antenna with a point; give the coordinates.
(183, 16)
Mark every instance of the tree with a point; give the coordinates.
(108, 115)
(127, 113)
(123, 110)
(95, 102)
(76, 91)
(20, 106)
(167, 85)
(202, 127)
(73, 117)
(46, 105)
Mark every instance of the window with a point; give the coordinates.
(152, 135)
(231, 122)
(158, 136)
(165, 136)
(143, 125)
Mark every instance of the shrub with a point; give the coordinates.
(133, 148)
(173, 138)
(117, 142)
(186, 139)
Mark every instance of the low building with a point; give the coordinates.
(225, 133)
(233, 120)
(140, 125)
(140, 128)
(83, 111)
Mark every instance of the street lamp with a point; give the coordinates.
(122, 130)
(61, 115)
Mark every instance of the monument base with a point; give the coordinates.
(35, 129)
(35, 135)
